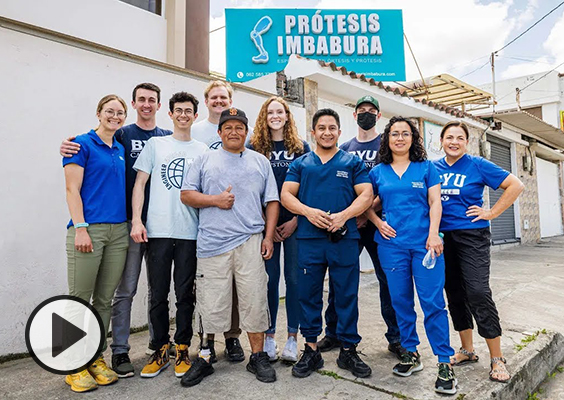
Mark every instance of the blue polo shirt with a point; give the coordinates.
(103, 184)
(328, 187)
(463, 186)
(404, 202)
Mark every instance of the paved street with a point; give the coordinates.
(527, 282)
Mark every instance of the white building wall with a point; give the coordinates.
(50, 92)
(543, 91)
(111, 23)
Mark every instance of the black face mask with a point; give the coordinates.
(366, 120)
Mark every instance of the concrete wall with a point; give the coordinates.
(543, 92)
(109, 22)
(50, 92)
(529, 199)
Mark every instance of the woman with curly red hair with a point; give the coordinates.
(276, 137)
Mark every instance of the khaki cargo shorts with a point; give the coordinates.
(214, 285)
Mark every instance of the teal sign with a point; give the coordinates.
(260, 41)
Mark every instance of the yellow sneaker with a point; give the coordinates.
(81, 382)
(102, 373)
(182, 364)
(157, 362)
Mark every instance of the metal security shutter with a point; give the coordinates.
(503, 227)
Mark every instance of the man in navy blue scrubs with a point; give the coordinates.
(366, 145)
(327, 189)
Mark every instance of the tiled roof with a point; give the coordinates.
(399, 91)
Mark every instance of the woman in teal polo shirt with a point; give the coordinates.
(409, 189)
(97, 236)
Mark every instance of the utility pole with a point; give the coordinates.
(493, 81)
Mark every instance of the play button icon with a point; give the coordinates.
(64, 334)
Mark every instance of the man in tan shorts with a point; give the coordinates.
(235, 190)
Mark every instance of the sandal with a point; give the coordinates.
(472, 357)
(501, 369)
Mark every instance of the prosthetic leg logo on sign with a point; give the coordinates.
(64, 334)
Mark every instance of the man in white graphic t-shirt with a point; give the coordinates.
(171, 230)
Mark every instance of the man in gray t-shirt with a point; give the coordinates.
(236, 192)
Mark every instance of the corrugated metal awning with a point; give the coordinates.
(446, 89)
(529, 123)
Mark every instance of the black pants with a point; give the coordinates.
(467, 281)
(160, 255)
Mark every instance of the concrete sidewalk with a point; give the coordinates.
(527, 282)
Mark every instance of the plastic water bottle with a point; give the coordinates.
(430, 259)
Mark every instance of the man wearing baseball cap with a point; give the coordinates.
(366, 146)
(233, 187)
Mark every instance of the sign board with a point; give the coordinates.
(562, 120)
(260, 41)
(432, 136)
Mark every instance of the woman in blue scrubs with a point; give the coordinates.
(466, 226)
(409, 189)
(276, 137)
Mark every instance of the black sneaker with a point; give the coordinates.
(122, 366)
(446, 381)
(328, 343)
(199, 370)
(233, 350)
(397, 349)
(310, 361)
(349, 359)
(259, 364)
(410, 362)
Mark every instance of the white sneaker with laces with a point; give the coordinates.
(271, 348)
(290, 352)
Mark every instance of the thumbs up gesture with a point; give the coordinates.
(226, 199)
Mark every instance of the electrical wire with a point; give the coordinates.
(476, 70)
(531, 27)
(536, 80)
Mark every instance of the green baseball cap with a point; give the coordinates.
(368, 99)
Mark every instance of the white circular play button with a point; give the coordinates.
(64, 334)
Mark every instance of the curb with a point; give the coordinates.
(528, 367)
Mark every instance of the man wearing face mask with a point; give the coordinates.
(366, 145)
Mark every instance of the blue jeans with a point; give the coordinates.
(291, 278)
(386, 308)
(123, 298)
(403, 268)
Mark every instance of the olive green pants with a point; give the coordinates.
(96, 275)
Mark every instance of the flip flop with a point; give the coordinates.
(501, 369)
(472, 357)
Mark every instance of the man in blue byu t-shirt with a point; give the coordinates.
(328, 239)
(146, 101)
(366, 145)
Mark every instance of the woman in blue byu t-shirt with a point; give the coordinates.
(97, 236)
(466, 227)
(408, 186)
(275, 135)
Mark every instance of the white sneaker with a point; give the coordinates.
(290, 352)
(271, 348)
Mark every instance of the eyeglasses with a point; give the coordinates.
(180, 111)
(396, 135)
(111, 113)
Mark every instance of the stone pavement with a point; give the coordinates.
(527, 282)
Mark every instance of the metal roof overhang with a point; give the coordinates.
(446, 89)
(529, 123)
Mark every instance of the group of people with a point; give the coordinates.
(210, 205)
